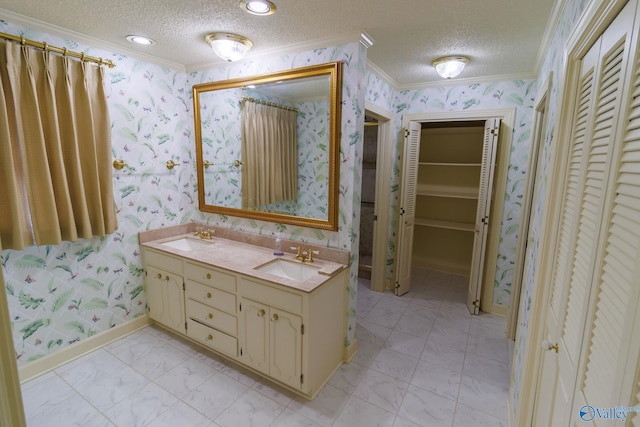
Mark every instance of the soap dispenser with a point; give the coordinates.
(277, 250)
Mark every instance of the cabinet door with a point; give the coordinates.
(165, 297)
(255, 335)
(285, 347)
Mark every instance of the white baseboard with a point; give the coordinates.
(67, 354)
(350, 351)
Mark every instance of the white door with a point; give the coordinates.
(407, 207)
(565, 244)
(489, 148)
(580, 249)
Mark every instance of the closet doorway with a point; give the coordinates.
(480, 256)
(374, 213)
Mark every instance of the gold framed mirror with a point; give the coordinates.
(267, 146)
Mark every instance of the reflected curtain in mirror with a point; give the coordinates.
(269, 154)
(55, 149)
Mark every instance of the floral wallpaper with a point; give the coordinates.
(59, 295)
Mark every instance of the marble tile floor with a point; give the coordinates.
(422, 361)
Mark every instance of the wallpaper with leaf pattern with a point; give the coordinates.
(59, 295)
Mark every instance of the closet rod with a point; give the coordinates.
(61, 50)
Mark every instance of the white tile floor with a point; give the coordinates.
(422, 361)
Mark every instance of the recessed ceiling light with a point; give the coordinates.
(140, 40)
(258, 7)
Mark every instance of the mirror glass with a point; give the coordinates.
(267, 146)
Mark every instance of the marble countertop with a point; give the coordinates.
(243, 258)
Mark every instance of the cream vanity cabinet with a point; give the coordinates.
(165, 290)
(292, 336)
(272, 331)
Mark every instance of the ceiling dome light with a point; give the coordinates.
(258, 7)
(449, 67)
(230, 47)
(140, 40)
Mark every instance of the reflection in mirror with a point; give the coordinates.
(267, 146)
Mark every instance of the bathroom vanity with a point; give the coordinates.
(279, 316)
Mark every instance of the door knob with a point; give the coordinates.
(547, 346)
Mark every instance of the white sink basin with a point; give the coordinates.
(187, 244)
(289, 269)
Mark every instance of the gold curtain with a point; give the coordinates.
(269, 155)
(55, 149)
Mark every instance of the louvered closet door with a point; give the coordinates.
(565, 242)
(489, 148)
(614, 52)
(407, 207)
(585, 251)
(610, 338)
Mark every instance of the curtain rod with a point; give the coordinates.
(63, 51)
(271, 104)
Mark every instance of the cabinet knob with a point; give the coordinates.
(261, 313)
(208, 295)
(159, 275)
(210, 337)
(210, 316)
(274, 317)
(208, 275)
(166, 278)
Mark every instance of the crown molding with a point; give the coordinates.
(549, 33)
(36, 24)
(468, 81)
(289, 49)
(374, 69)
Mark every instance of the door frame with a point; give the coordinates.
(11, 407)
(594, 21)
(540, 113)
(507, 116)
(382, 202)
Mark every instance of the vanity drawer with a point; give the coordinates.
(163, 262)
(288, 301)
(210, 296)
(212, 338)
(212, 317)
(211, 277)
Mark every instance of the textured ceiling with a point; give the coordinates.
(501, 37)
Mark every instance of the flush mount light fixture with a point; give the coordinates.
(258, 7)
(140, 40)
(230, 47)
(449, 67)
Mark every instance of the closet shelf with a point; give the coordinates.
(444, 224)
(449, 164)
(447, 191)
